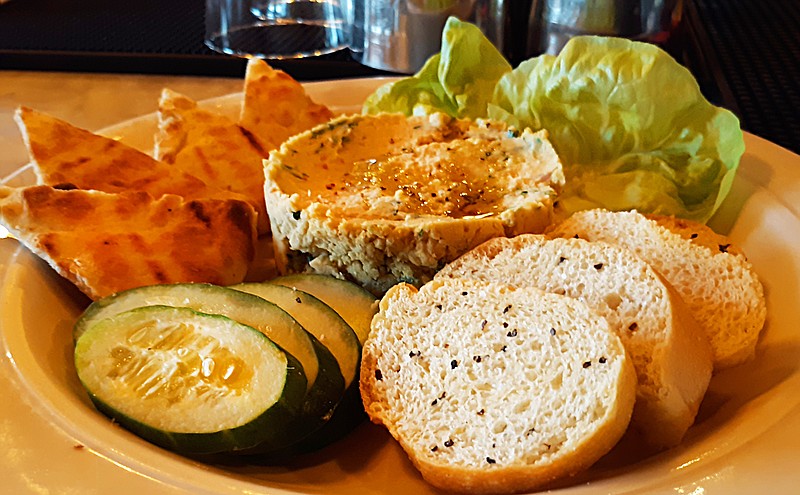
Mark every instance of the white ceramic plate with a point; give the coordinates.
(745, 440)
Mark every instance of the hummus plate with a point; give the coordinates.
(745, 439)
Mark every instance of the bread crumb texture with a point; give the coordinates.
(639, 306)
(489, 388)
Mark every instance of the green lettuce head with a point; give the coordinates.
(458, 81)
(630, 126)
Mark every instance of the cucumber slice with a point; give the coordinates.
(354, 304)
(191, 382)
(318, 319)
(325, 380)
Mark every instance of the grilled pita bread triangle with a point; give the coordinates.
(276, 106)
(212, 147)
(106, 242)
(63, 154)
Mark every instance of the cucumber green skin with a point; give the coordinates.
(348, 415)
(341, 295)
(317, 410)
(270, 430)
(322, 396)
(350, 411)
(312, 312)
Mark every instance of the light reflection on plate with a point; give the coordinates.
(749, 420)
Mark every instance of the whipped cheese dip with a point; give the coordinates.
(385, 198)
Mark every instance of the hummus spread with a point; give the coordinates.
(385, 198)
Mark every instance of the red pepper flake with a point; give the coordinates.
(378, 375)
(448, 443)
(633, 326)
(490, 460)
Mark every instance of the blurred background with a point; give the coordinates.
(744, 53)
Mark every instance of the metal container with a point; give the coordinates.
(400, 35)
(553, 22)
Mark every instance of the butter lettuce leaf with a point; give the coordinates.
(630, 125)
(458, 81)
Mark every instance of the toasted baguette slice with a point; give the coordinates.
(669, 350)
(711, 274)
(212, 147)
(105, 242)
(65, 155)
(276, 106)
(495, 389)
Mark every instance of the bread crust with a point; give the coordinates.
(711, 274)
